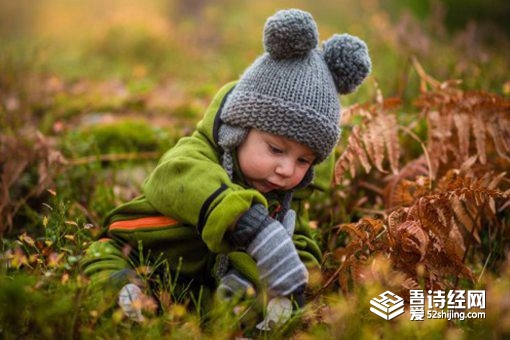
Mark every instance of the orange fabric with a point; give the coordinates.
(144, 222)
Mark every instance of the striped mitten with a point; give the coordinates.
(289, 222)
(233, 285)
(269, 244)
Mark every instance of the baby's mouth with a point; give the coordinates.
(272, 186)
(265, 186)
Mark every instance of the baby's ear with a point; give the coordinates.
(348, 61)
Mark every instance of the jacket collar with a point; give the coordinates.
(210, 123)
(217, 120)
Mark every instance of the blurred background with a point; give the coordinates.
(85, 80)
(193, 46)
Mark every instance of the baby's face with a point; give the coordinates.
(271, 162)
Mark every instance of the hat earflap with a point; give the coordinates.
(229, 137)
(348, 61)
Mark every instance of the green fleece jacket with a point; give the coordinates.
(200, 202)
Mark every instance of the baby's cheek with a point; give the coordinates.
(295, 182)
(300, 177)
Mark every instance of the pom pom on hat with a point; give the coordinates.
(290, 33)
(348, 60)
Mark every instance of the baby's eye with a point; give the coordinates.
(275, 149)
(305, 161)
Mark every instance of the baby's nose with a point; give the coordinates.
(285, 168)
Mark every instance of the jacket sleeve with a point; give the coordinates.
(190, 185)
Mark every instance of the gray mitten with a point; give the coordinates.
(269, 244)
(289, 222)
(233, 285)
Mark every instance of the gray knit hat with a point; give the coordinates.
(292, 89)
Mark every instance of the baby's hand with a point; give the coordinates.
(268, 242)
(234, 285)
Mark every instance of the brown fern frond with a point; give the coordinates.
(346, 162)
(371, 140)
(428, 211)
(439, 217)
(349, 264)
(495, 181)
(439, 132)
(500, 134)
(481, 121)
(405, 188)
(463, 219)
(456, 241)
(403, 195)
(354, 256)
(390, 134)
(411, 239)
(358, 268)
(354, 230)
(453, 218)
(358, 149)
(446, 205)
(462, 126)
(374, 142)
(429, 239)
(478, 128)
(365, 230)
(344, 274)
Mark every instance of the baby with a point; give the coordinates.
(224, 208)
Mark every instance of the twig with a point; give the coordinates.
(330, 280)
(484, 267)
(425, 78)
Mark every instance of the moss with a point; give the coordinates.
(127, 135)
